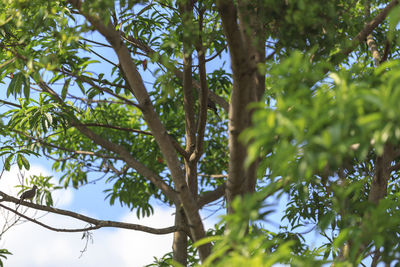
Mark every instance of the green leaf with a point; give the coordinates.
(27, 87)
(394, 18)
(25, 162)
(80, 85)
(65, 89)
(3, 253)
(19, 161)
(207, 240)
(7, 162)
(15, 85)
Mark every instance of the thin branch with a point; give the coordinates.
(91, 82)
(216, 176)
(75, 152)
(98, 43)
(103, 58)
(376, 257)
(10, 103)
(8, 62)
(144, 9)
(175, 143)
(217, 54)
(117, 172)
(95, 222)
(114, 127)
(88, 101)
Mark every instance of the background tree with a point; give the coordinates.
(324, 131)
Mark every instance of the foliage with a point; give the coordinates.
(3, 253)
(320, 134)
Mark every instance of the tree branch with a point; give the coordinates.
(370, 38)
(114, 127)
(248, 86)
(368, 28)
(95, 222)
(186, 13)
(91, 82)
(157, 128)
(10, 103)
(202, 121)
(210, 196)
(382, 174)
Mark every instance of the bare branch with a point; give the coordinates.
(215, 176)
(10, 103)
(210, 196)
(114, 127)
(98, 43)
(96, 224)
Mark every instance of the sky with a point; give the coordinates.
(35, 246)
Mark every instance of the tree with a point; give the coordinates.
(303, 111)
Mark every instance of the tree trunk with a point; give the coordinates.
(247, 49)
(179, 246)
(381, 175)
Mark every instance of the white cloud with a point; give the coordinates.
(139, 248)
(33, 245)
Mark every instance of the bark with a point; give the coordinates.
(370, 38)
(203, 96)
(381, 175)
(179, 246)
(247, 49)
(376, 258)
(180, 239)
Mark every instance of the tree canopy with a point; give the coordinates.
(190, 102)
